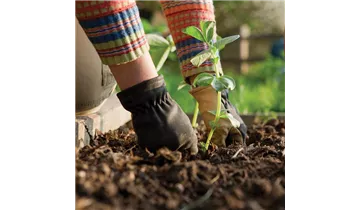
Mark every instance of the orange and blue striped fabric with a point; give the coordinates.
(114, 28)
(181, 14)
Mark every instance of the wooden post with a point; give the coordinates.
(244, 48)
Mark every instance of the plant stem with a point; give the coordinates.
(216, 71)
(196, 112)
(218, 109)
(209, 138)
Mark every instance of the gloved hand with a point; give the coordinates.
(226, 133)
(157, 119)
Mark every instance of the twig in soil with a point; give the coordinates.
(129, 149)
(250, 148)
(157, 185)
(215, 179)
(236, 154)
(200, 201)
(222, 173)
(244, 143)
(255, 205)
(149, 153)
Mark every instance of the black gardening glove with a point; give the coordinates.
(157, 119)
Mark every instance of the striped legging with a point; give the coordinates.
(116, 31)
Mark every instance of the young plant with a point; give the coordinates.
(160, 48)
(196, 111)
(219, 82)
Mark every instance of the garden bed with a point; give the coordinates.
(114, 173)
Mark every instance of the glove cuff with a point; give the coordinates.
(145, 94)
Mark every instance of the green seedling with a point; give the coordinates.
(196, 111)
(219, 82)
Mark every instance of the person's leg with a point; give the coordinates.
(179, 15)
(134, 72)
(115, 30)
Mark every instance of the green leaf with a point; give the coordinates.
(218, 85)
(172, 49)
(233, 121)
(201, 57)
(155, 40)
(215, 60)
(224, 116)
(203, 79)
(162, 59)
(194, 32)
(172, 56)
(203, 146)
(207, 28)
(220, 44)
(159, 49)
(228, 81)
(210, 34)
(222, 112)
(182, 85)
(214, 51)
(222, 83)
(117, 89)
(213, 125)
(204, 25)
(148, 28)
(172, 44)
(212, 112)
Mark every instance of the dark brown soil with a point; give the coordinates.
(114, 173)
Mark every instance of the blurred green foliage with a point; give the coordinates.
(261, 16)
(160, 29)
(262, 90)
(156, 29)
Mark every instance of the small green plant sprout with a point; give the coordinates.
(219, 82)
(196, 111)
(160, 48)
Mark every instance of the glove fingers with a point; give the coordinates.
(243, 130)
(234, 136)
(191, 144)
(219, 136)
(194, 148)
